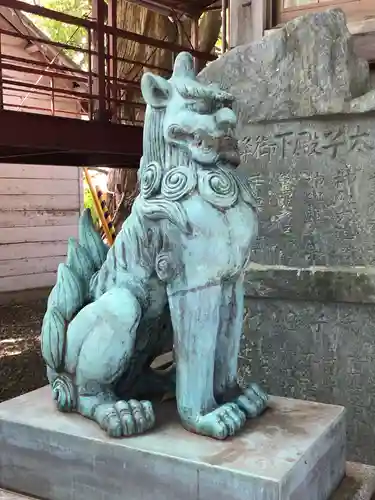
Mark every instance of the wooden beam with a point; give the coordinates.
(70, 140)
(98, 64)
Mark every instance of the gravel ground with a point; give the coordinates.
(21, 365)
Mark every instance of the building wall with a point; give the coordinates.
(39, 205)
(14, 74)
(39, 210)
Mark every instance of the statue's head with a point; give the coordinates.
(196, 119)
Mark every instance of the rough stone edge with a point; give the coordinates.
(357, 104)
(322, 284)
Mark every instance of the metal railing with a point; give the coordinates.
(97, 91)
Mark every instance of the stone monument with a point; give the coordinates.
(306, 129)
(174, 278)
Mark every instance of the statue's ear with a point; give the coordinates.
(156, 90)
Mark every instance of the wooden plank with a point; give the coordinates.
(32, 250)
(16, 283)
(9, 170)
(38, 186)
(35, 202)
(18, 218)
(37, 234)
(23, 267)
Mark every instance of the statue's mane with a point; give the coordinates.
(156, 151)
(192, 89)
(154, 147)
(161, 156)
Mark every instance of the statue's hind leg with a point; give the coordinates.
(252, 400)
(105, 354)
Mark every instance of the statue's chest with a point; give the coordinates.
(236, 225)
(222, 206)
(221, 240)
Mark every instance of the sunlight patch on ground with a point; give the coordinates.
(19, 345)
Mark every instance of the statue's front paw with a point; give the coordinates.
(253, 401)
(221, 423)
(126, 418)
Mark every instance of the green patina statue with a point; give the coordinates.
(172, 280)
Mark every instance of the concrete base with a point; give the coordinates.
(358, 484)
(9, 495)
(295, 451)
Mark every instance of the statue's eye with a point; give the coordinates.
(201, 106)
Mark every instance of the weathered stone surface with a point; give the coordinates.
(358, 484)
(317, 219)
(308, 146)
(307, 67)
(323, 284)
(315, 184)
(315, 351)
(296, 450)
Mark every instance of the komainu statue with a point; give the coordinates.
(172, 280)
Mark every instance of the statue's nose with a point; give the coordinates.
(225, 118)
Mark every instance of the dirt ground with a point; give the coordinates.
(21, 365)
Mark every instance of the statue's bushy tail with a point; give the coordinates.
(69, 295)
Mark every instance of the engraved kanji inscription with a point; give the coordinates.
(308, 143)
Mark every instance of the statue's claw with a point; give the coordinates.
(253, 401)
(221, 423)
(125, 418)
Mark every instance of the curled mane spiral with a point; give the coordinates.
(157, 151)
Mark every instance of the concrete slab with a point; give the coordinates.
(9, 495)
(295, 451)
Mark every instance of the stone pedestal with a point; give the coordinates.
(295, 451)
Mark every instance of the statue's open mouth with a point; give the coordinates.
(224, 146)
(221, 143)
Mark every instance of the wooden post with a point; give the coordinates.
(98, 13)
(113, 73)
(92, 102)
(1, 76)
(52, 83)
(195, 40)
(224, 20)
